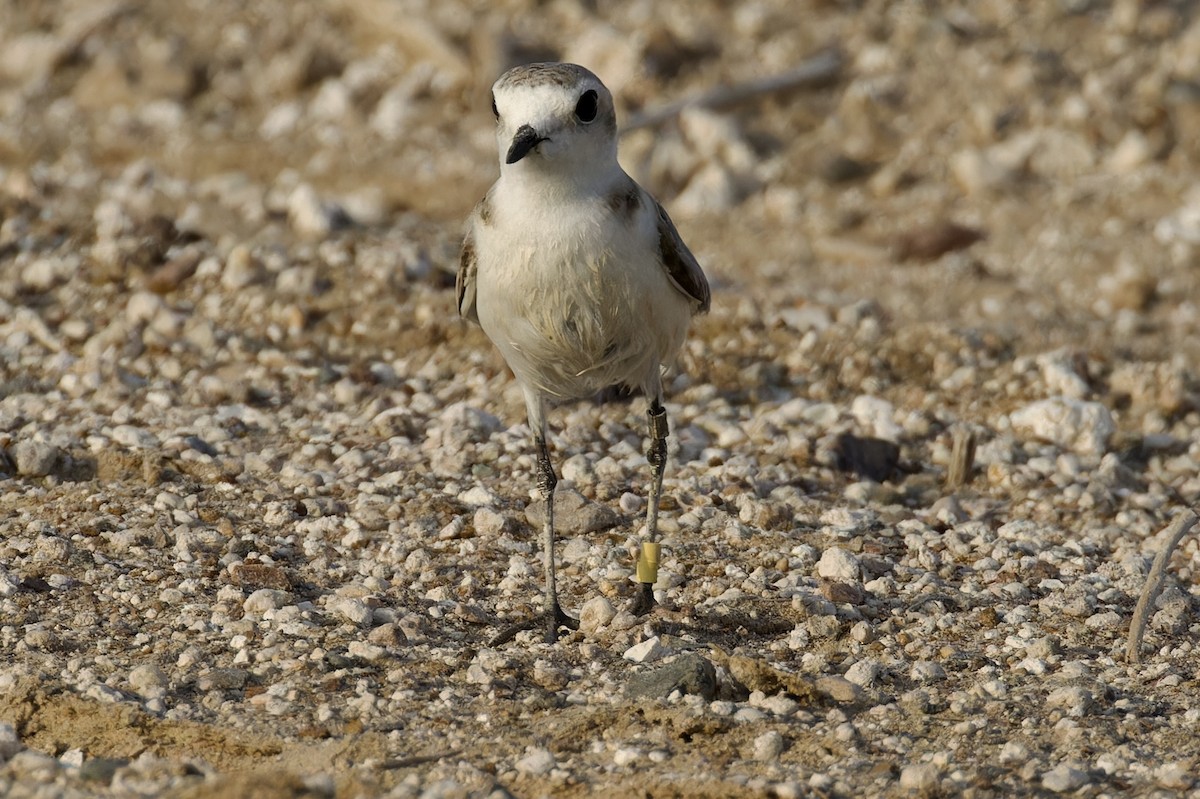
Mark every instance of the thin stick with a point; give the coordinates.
(1179, 528)
(962, 457)
(419, 760)
(816, 71)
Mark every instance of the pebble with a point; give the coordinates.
(1084, 427)
(574, 514)
(838, 564)
(647, 651)
(35, 458)
(864, 673)
(768, 747)
(537, 762)
(688, 674)
(596, 613)
(147, 678)
(839, 689)
(922, 779)
(352, 610)
(1064, 779)
(1074, 699)
(265, 599)
(926, 671)
(311, 216)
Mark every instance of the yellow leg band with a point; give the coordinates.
(647, 565)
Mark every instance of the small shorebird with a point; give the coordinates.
(577, 275)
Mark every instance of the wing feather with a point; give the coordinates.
(683, 270)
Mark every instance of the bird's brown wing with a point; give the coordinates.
(683, 270)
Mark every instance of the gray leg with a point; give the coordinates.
(552, 615)
(656, 454)
(546, 482)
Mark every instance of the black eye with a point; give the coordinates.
(495, 111)
(585, 109)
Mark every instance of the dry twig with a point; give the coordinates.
(962, 457)
(1179, 528)
(819, 70)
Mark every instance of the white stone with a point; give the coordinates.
(538, 762)
(864, 672)
(134, 437)
(1084, 427)
(147, 677)
(1063, 779)
(647, 651)
(596, 613)
(920, 778)
(351, 609)
(625, 756)
(838, 564)
(877, 417)
(265, 599)
(768, 747)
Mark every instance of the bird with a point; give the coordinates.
(578, 277)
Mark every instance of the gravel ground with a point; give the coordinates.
(264, 498)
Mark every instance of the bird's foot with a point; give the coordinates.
(643, 601)
(553, 620)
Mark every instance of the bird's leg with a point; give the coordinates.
(656, 454)
(546, 482)
(552, 615)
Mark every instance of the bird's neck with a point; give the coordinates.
(539, 181)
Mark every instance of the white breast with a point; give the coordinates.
(575, 298)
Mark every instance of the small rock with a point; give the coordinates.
(265, 599)
(32, 766)
(920, 778)
(574, 514)
(548, 676)
(1063, 779)
(10, 743)
(537, 762)
(312, 217)
(838, 564)
(1174, 776)
(147, 677)
(926, 671)
(241, 268)
(134, 437)
(351, 609)
(688, 674)
(1084, 427)
(647, 651)
(932, 242)
(489, 523)
(260, 575)
(871, 458)
(626, 756)
(388, 635)
(864, 672)
(596, 613)
(100, 769)
(839, 689)
(35, 458)
(1072, 698)
(768, 747)
(365, 650)
(222, 679)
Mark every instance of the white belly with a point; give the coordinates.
(579, 308)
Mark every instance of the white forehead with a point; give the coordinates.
(538, 90)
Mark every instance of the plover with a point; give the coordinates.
(577, 275)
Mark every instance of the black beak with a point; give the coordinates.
(526, 139)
